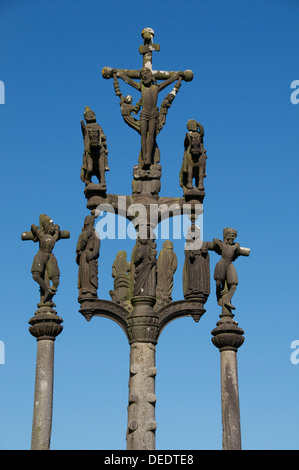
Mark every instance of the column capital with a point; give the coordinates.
(227, 335)
(45, 324)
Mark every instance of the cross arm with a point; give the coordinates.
(214, 246)
(244, 251)
(63, 234)
(31, 235)
(170, 80)
(128, 80)
(126, 75)
(148, 48)
(107, 72)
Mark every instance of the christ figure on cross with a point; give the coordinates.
(149, 113)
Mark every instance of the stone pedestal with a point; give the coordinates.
(228, 338)
(45, 326)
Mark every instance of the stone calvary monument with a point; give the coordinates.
(141, 299)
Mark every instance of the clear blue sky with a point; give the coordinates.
(244, 56)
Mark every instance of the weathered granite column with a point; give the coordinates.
(45, 326)
(142, 398)
(143, 324)
(228, 338)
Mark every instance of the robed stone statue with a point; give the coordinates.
(166, 267)
(87, 251)
(144, 260)
(196, 271)
(122, 281)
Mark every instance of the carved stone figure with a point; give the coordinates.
(149, 113)
(127, 107)
(196, 271)
(87, 254)
(166, 104)
(194, 161)
(225, 273)
(144, 261)
(166, 267)
(122, 281)
(95, 160)
(44, 268)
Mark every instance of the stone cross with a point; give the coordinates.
(45, 326)
(146, 51)
(228, 336)
(44, 267)
(149, 89)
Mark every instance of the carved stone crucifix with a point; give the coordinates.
(149, 89)
(44, 267)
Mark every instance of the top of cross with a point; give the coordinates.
(146, 50)
(148, 47)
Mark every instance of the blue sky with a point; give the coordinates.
(244, 56)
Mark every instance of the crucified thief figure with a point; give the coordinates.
(149, 113)
(225, 273)
(44, 267)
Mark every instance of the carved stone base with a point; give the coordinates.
(87, 297)
(96, 187)
(143, 322)
(194, 194)
(95, 194)
(227, 334)
(45, 324)
(146, 182)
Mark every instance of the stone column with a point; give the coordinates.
(143, 330)
(228, 338)
(45, 326)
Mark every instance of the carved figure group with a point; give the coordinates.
(95, 156)
(151, 121)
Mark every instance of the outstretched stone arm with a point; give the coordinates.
(63, 234)
(170, 80)
(128, 80)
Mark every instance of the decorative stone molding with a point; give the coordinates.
(227, 335)
(45, 325)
